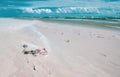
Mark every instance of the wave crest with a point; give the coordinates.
(39, 11)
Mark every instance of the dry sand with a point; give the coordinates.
(73, 51)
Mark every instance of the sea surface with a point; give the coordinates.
(71, 9)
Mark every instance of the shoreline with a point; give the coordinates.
(110, 24)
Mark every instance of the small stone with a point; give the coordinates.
(25, 46)
(25, 52)
(34, 68)
(68, 41)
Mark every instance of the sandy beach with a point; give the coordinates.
(73, 50)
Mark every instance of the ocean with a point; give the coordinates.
(71, 9)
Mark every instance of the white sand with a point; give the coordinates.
(73, 51)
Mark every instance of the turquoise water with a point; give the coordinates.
(105, 9)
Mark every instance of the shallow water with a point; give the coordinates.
(60, 8)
